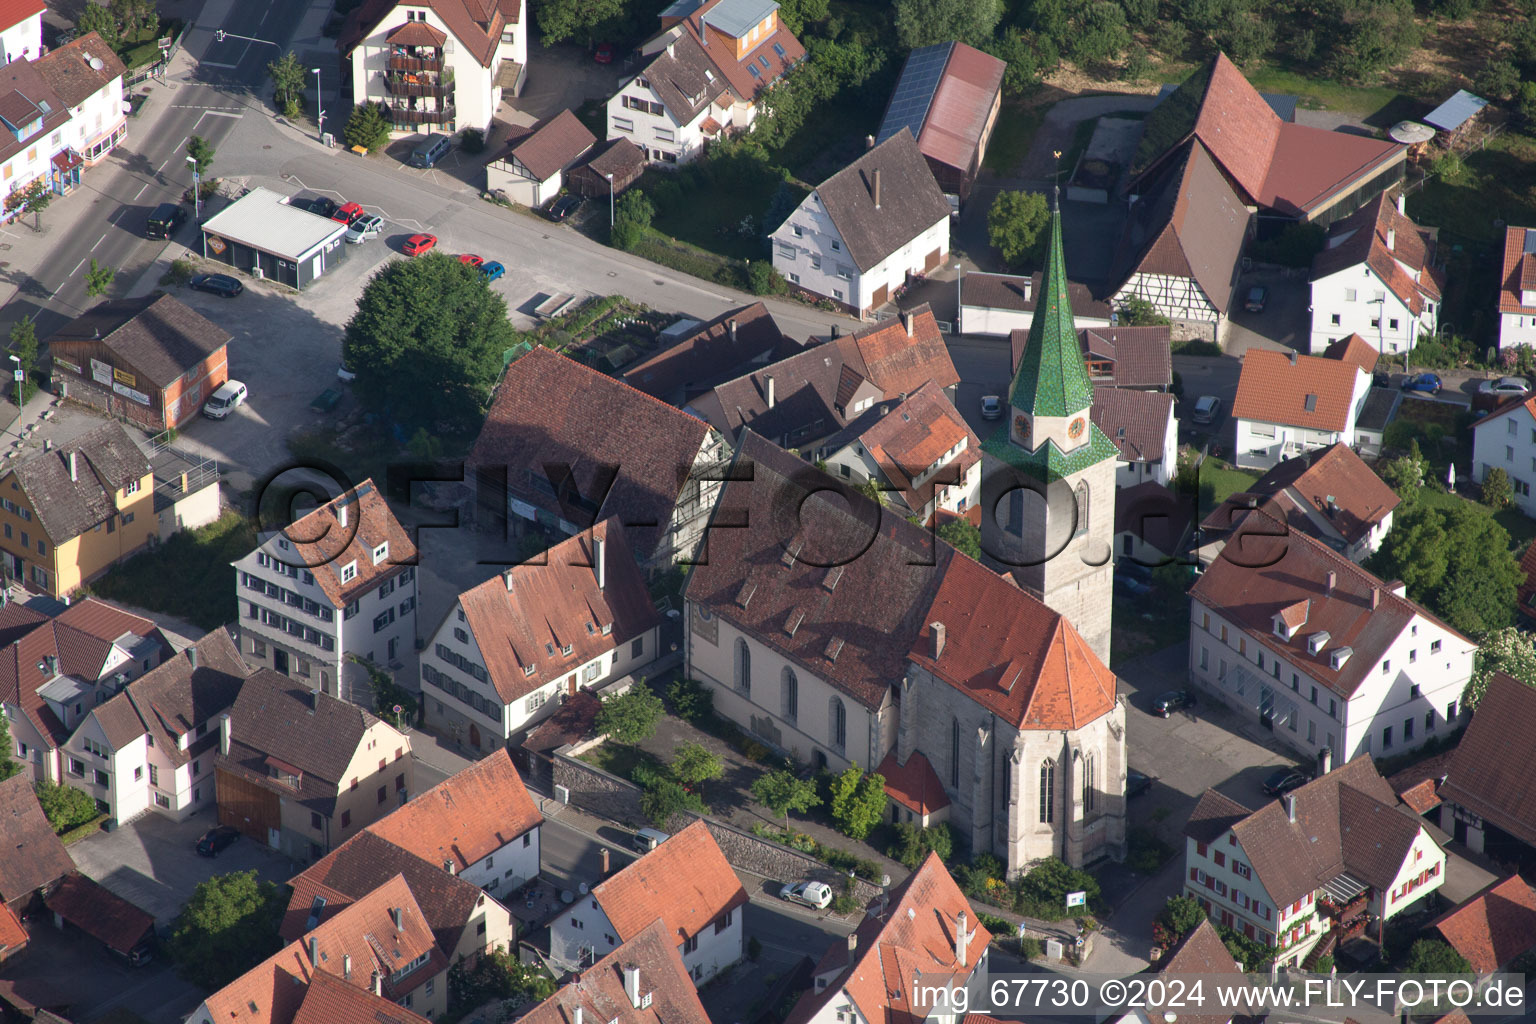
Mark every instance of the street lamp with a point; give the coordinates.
(197, 191)
(319, 103)
(610, 201)
(21, 377)
(958, 300)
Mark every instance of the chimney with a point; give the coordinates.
(314, 701)
(1324, 761)
(341, 510)
(1391, 239)
(875, 189)
(962, 939)
(346, 966)
(603, 860)
(853, 943)
(769, 388)
(1290, 807)
(1293, 357)
(869, 142)
(938, 638)
(1333, 578)
(74, 470)
(600, 561)
(632, 985)
(578, 1015)
(1401, 204)
(192, 658)
(394, 915)
(906, 323)
(376, 983)
(224, 733)
(732, 326)
(1375, 598)
(314, 952)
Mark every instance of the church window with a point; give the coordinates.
(1088, 794)
(791, 696)
(743, 669)
(954, 753)
(1082, 508)
(839, 718)
(1047, 792)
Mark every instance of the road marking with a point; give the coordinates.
(71, 274)
(199, 106)
(215, 64)
(141, 190)
(103, 238)
(220, 113)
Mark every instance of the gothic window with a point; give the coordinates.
(1089, 795)
(791, 696)
(743, 669)
(1047, 792)
(1082, 508)
(954, 753)
(839, 719)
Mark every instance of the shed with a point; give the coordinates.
(102, 914)
(264, 235)
(1455, 112)
(530, 169)
(948, 95)
(619, 157)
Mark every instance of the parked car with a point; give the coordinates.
(1381, 379)
(322, 207)
(431, 150)
(1505, 387)
(1282, 780)
(603, 54)
(810, 894)
(418, 244)
(1429, 383)
(492, 271)
(1207, 410)
(216, 840)
(349, 213)
(647, 839)
(991, 407)
(1167, 703)
(563, 207)
(1257, 296)
(346, 374)
(1132, 586)
(365, 228)
(1136, 783)
(216, 284)
(221, 403)
(469, 259)
(164, 221)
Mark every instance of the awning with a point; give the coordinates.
(509, 76)
(66, 160)
(417, 33)
(1343, 888)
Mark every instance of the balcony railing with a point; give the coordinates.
(403, 115)
(411, 85)
(432, 64)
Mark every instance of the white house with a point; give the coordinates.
(1312, 869)
(512, 649)
(996, 305)
(1506, 439)
(1313, 647)
(1288, 404)
(1517, 289)
(531, 169)
(687, 882)
(88, 76)
(158, 737)
(1375, 279)
(339, 582)
(1143, 428)
(866, 230)
(23, 36)
(436, 65)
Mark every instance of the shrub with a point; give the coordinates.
(692, 701)
(999, 928)
(764, 280)
(64, 806)
(1448, 166)
(631, 220)
(1139, 312)
(1146, 852)
(472, 140)
(1031, 949)
(846, 902)
(293, 108)
(1043, 892)
(180, 272)
(1496, 489)
(1324, 964)
(913, 844)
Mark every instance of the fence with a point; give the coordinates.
(156, 69)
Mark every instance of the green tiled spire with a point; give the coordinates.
(1051, 379)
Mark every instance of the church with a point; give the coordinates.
(839, 633)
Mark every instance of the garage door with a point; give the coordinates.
(882, 295)
(932, 261)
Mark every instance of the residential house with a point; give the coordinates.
(705, 76)
(1153, 524)
(1376, 278)
(1288, 404)
(302, 771)
(21, 35)
(924, 929)
(948, 96)
(709, 354)
(643, 981)
(436, 65)
(512, 649)
(1139, 358)
(58, 666)
(918, 450)
(686, 883)
(151, 361)
(152, 746)
(1517, 288)
(1506, 439)
(1329, 493)
(530, 169)
(75, 511)
(88, 76)
(996, 305)
(1144, 431)
(1488, 785)
(337, 584)
(35, 861)
(13, 936)
(862, 234)
(1320, 651)
(1494, 927)
(1308, 871)
(608, 169)
(380, 949)
(1526, 593)
(545, 458)
(1201, 953)
(901, 354)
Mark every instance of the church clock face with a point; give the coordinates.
(1021, 427)
(1076, 427)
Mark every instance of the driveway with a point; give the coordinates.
(153, 864)
(1282, 324)
(559, 78)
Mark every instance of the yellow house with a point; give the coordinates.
(70, 514)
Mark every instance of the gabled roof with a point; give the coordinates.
(101, 913)
(156, 335)
(944, 97)
(106, 460)
(1020, 293)
(914, 785)
(1489, 773)
(330, 1000)
(1136, 421)
(1313, 392)
(631, 462)
(26, 96)
(1493, 927)
(13, 936)
(1324, 489)
(33, 856)
(1312, 166)
(14, 12)
(1214, 814)
(476, 24)
(1383, 239)
(343, 532)
(807, 389)
(1138, 357)
(1202, 952)
(667, 992)
(727, 22)
(913, 435)
(715, 352)
(910, 200)
(916, 934)
(466, 817)
(1518, 273)
(685, 78)
(685, 882)
(69, 72)
(851, 624)
(901, 354)
(554, 144)
(176, 697)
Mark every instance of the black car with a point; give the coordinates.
(1282, 780)
(1166, 704)
(563, 207)
(217, 284)
(215, 840)
(322, 207)
(1136, 783)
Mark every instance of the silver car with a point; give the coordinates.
(365, 228)
(1506, 386)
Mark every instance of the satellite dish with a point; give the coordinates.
(97, 63)
(1411, 131)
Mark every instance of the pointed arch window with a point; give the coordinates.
(790, 698)
(839, 721)
(954, 753)
(1047, 792)
(1090, 797)
(743, 668)
(1082, 508)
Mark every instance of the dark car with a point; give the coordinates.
(164, 221)
(1381, 379)
(1282, 780)
(1136, 783)
(563, 207)
(216, 284)
(322, 207)
(1258, 295)
(1130, 585)
(1429, 383)
(215, 840)
(1167, 703)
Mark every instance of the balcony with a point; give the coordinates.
(411, 84)
(433, 64)
(399, 115)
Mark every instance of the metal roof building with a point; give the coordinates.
(948, 95)
(1456, 111)
(263, 235)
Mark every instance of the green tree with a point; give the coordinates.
(782, 791)
(764, 280)
(962, 536)
(65, 806)
(8, 765)
(1432, 956)
(913, 844)
(1368, 36)
(1496, 489)
(1139, 312)
(1101, 33)
(1047, 884)
(227, 927)
(1181, 915)
(631, 220)
(98, 279)
(631, 716)
(367, 127)
(796, 14)
(24, 347)
(96, 18)
(1016, 227)
(136, 19)
(692, 701)
(925, 22)
(1405, 474)
(693, 765)
(288, 77)
(426, 341)
(201, 153)
(1455, 561)
(561, 20)
(1506, 650)
(33, 199)
(858, 801)
(1030, 56)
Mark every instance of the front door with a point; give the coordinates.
(274, 838)
(280, 660)
(393, 644)
(932, 261)
(474, 736)
(881, 297)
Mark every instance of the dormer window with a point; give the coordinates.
(1339, 657)
(527, 670)
(566, 651)
(349, 571)
(607, 628)
(380, 553)
(1317, 641)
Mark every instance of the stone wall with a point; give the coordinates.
(594, 790)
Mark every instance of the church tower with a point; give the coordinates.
(1049, 478)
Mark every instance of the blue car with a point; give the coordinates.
(492, 271)
(1426, 382)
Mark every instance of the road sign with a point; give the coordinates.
(1077, 899)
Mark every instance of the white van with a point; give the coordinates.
(647, 839)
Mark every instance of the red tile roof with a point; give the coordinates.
(1384, 240)
(69, 72)
(416, 33)
(1493, 927)
(330, 1000)
(1516, 274)
(14, 12)
(101, 913)
(12, 935)
(1295, 390)
(1490, 772)
(714, 353)
(34, 857)
(721, 50)
(1355, 351)
(324, 544)
(1297, 492)
(1312, 165)
(898, 361)
(686, 882)
(476, 24)
(1237, 126)
(915, 434)
(914, 785)
(667, 993)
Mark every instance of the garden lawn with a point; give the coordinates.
(1322, 94)
(1497, 184)
(620, 759)
(1219, 481)
(1521, 527)
(189, 576)
(712, 216)
(1012, 137)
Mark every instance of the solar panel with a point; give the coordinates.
(914, 90)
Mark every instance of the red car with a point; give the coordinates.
(604, 53)
(348, 213)
(471, 260)
(418, 244)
